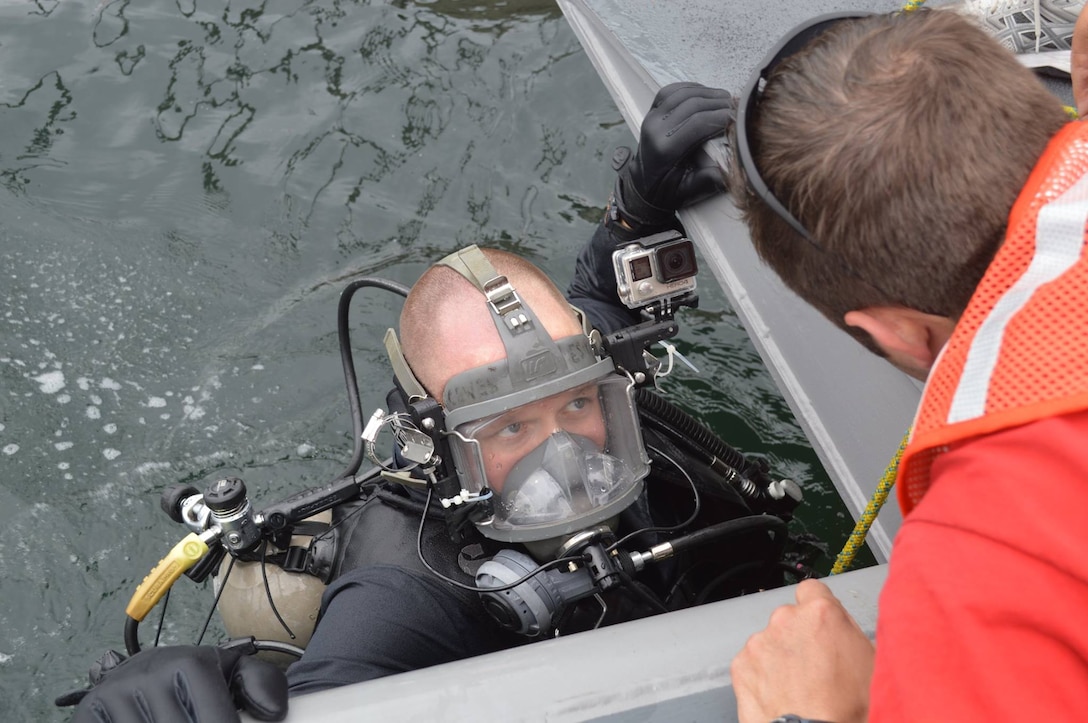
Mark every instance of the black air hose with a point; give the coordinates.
(347, 361)
(696, 437)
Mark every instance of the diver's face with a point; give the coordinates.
(510, 436)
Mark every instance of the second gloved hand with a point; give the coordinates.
(183, 684)
(670, 170)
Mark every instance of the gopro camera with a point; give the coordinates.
(656, 267)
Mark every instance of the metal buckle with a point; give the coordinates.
(506, 303)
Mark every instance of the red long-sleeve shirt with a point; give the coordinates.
(984, 615)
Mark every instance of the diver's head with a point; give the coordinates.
(446, 326)
(531, 412)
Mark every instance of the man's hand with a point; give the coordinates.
(669, 170)
(183, 684)
(1078, 61)
(812, 660)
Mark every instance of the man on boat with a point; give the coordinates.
(910, 179)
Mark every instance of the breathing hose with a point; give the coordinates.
(347, 361)
(183, 556)
(697, 438)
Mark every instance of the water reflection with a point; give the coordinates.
(326, 101)
(50, 97)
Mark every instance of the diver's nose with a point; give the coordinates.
(555, 425)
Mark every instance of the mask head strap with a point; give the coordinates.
(532, 357)
(530, 351)
(401, 370)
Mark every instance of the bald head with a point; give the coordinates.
(446, 326)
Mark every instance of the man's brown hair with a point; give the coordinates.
(900, 142)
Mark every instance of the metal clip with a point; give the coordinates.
(507, 304)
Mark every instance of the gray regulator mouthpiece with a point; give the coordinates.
(564, 477)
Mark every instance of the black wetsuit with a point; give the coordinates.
(386, 613)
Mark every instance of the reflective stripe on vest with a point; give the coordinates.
(1019, 352)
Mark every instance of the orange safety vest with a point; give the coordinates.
(1019, 353)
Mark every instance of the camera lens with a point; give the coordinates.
(676, 260)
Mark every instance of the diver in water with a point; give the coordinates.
(545, 437)
(523, 446)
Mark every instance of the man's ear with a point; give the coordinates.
(911, 339)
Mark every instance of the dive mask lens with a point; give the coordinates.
(556, 464)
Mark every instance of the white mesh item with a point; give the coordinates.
(1040, 32)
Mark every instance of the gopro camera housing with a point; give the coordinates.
(655, 267)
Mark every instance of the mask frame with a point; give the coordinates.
(544, 367)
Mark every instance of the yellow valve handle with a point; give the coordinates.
(184, 555)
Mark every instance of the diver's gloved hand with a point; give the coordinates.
(670, 170)
(180, 684)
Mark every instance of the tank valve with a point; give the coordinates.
(231, 510)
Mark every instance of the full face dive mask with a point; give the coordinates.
(551, 430)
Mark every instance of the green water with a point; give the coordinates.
(185, 188)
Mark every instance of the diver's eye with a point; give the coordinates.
(578, 404)
(511, 430)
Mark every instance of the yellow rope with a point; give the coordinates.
(861, 529)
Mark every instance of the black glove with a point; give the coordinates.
(670, 170)
(182, 684)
